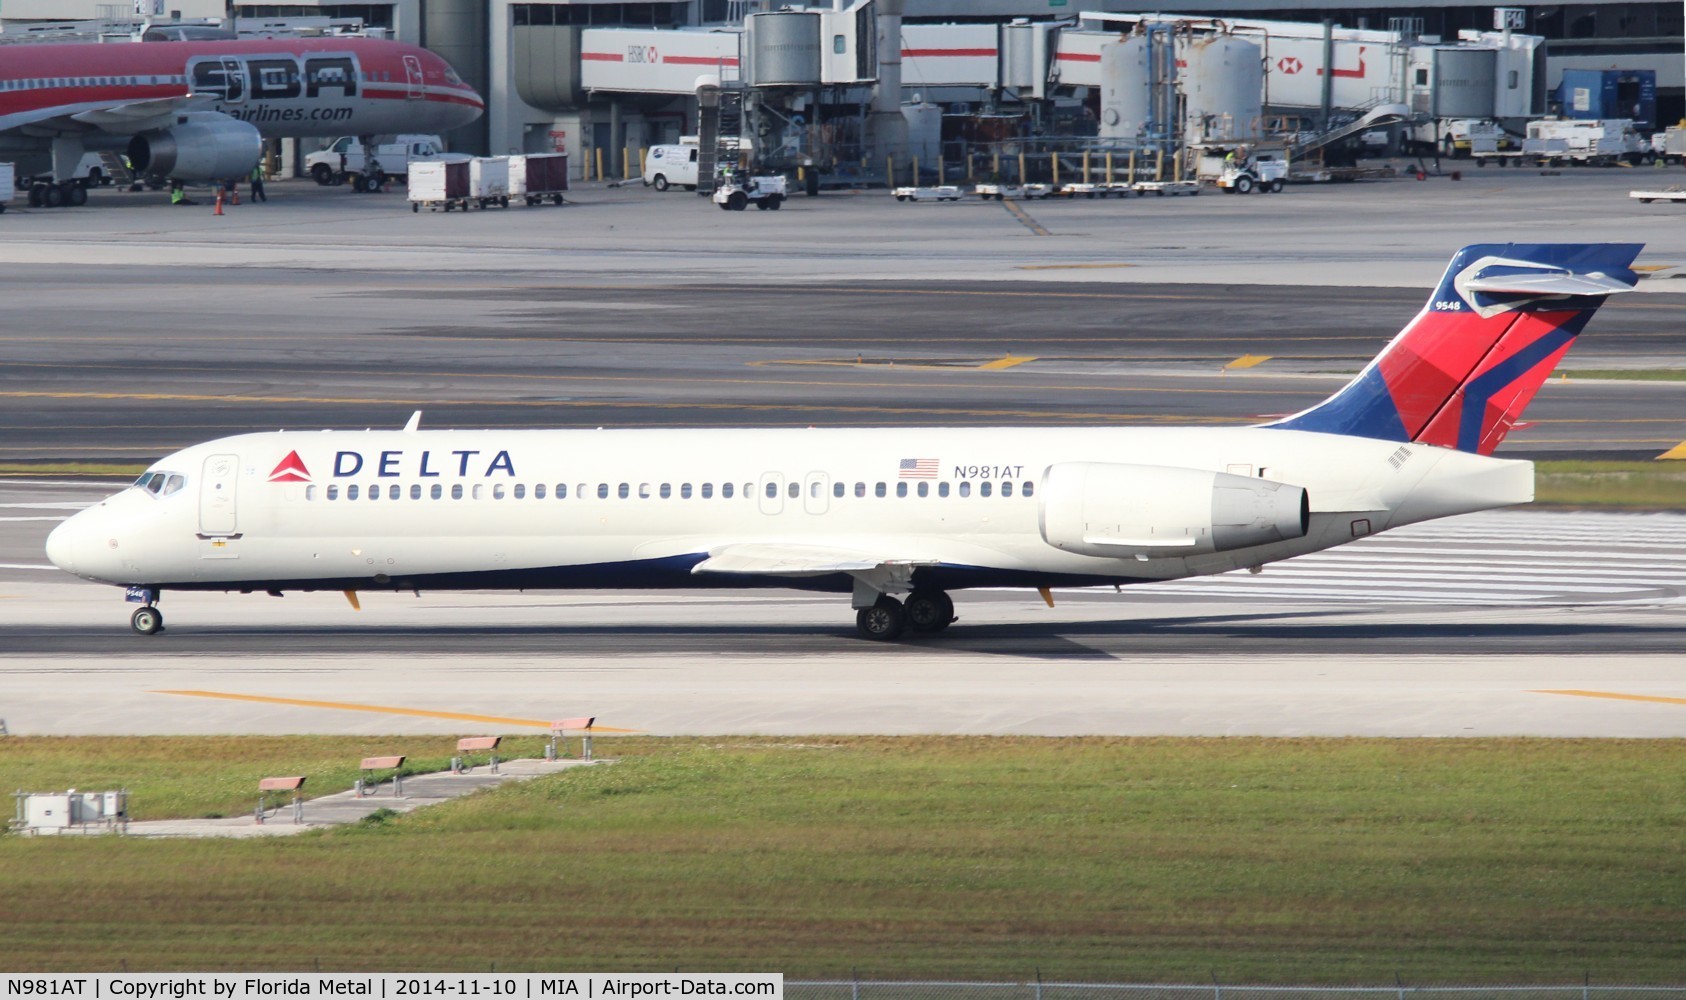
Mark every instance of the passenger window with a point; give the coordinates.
(624, 491)
(814, 489)
(436, 492)
(965, 488)
(602, 491)
(860, 489)
(538, 491)
(924, 489)
(942, 489)
(901, 489)
(375, 492)
(684, 491)
(351, 492)
(497, 491)
(772, 490)
(643, 491)
(1029, 489)
(1007, 488)
(837, 489)
(415, 492)
(479, 490)
(878, 490)
(748, 490)
(395, 492)
(521, 490)
(795, 491)
(666, 491)
(707, 490)
(456, 491)
(726, 491)
(310, 493)
(333, 493)
(983, 488)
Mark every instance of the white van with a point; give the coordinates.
(665, 166)
(327, 167)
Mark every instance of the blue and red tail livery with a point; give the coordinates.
(1461, 373)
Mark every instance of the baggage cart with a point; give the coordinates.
(1018, 192)
(441, 185)
(535, 177)
(942, 192)
(488, 181)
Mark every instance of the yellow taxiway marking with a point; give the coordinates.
(1070, 267)
(345, 706)
(1010, 361)
(1676, 452)
(1024, 217)
(1247, 361)
(1618, 696)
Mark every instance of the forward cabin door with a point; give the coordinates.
(217, 496)
(413, 78)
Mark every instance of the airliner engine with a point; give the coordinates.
(201, 146)
(1120, 511)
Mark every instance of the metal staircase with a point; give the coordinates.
(1375, 115)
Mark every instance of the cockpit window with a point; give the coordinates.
(161, 483)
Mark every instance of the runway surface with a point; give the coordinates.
(133, 329)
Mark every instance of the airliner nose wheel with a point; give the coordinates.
(929, 611)
(883, 622)
(147, 621)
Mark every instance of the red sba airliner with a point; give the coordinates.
(894, 517)
(199, 110)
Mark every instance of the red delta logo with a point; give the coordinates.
(290, 470)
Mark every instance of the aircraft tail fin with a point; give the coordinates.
(1461, 373)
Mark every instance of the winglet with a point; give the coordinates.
(415, 421)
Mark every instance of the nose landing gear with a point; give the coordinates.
(147, 620)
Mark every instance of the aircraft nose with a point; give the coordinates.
(80, 545)
(63, 542)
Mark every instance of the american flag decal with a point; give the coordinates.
(918, 468)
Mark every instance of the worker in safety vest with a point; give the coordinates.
(178, 195)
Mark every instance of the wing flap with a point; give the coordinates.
(783, 559)
(138, 116)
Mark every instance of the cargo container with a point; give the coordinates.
(488, 181)
(535, 177)
(440, 185)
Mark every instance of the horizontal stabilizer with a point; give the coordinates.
(1548, 283)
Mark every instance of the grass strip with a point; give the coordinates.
(1254, 860)
(1628, 374)
(1621, 485)
(101, 470)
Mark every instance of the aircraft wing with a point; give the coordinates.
(785, 559)
(126, 118)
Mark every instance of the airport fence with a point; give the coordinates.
(869, 990)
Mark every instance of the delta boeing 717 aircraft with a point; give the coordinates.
(895, 517)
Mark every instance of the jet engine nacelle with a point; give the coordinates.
(1122, 511)
(202, 146)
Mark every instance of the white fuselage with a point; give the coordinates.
(639, 508)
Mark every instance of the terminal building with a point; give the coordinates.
(602, 80)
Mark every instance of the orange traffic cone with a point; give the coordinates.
(219, 202)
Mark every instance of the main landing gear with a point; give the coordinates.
(888, 618)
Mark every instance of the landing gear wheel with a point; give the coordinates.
(929, 611)
(883, 622)
(147, 621)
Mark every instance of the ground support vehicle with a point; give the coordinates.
(8, 173)
(536, 177)
(1669, 145)
(942, 192)
(1162, 188)
(1018, 192)
(735, 194)
(441, 185)
(671, 166)
(1674, 193)
(1587, 142)
(1263, 176)
(344, 161)
(488, 181)
(1087, 189)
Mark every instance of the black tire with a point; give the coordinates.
(1277, 185)
(775, 201)
(762, 206)
(53, 196)
(1243, 184)
(322, 174)
(929, 611)
(690, 187)
(556, 199)
(883, 622)
(659, 182)
(415, 206)
(75, 195)
(901, 197)
(737, 201)
(147, 620)
(503, 202)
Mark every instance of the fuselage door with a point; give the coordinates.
(769, 493)
(816, 493)
(413, 78)
(217, 495)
